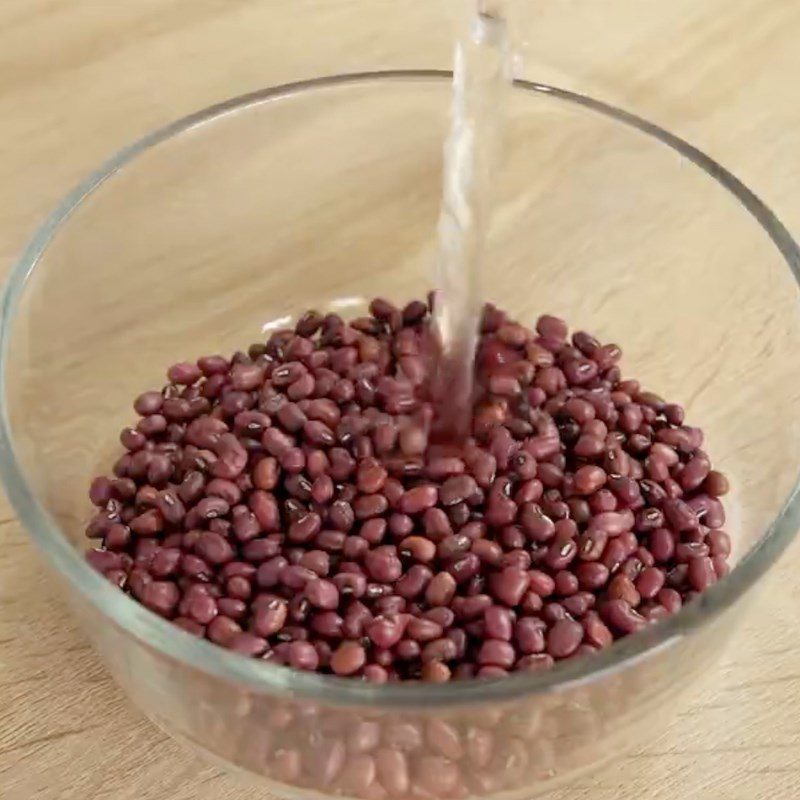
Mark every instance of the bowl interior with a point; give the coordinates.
(323, 196)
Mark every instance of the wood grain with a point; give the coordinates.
(79, 79)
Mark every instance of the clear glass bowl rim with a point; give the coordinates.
(255, 675)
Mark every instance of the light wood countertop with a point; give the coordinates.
(79, 79)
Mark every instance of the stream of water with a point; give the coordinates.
(481, 81)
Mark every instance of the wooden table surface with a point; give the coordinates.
(80, 78)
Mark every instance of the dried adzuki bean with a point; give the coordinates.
(293, 503)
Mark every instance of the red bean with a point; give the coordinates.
(679, 515)
(367, 506)
(529, 635)
(487, 551)
(201, 608)
(453, 546)
(602, 502)
(118, 537)
(419, 548)
(416, 500)
(621, 588)
(435, 672)
(442, 649)
(613, 523)
(437, 524)
(716, 484)
(579, 489)
(341, 516)
(662, 545)
(441, 589)
(509, 585)
(708, 509)
(536, 524)
(386, 632)
(413, 440)
(161, 597)
(414, 582)
(564, 638)
(592, 576)
(303, 655)
(551, 327)
(701, 573)
(622, 617)
(232, 607)
(222, 629)
(270, 620)
(383, 564)
(566, 583)
(589, 446)
(354, 547)
(550, 475)
(393, 771)
(247, 644)
(686, 551)
(322, 594)
(718, 541)
(498, 623)
(670, 600)
(561, 553)
(183, 373)
(496, 652)
(231, 457)
(165, 562)
(456, 489)
(517, 557)
(348, 658)
(721, 566)
(269, 573)
(149, 523)
(541, 585)
(103, 560)
(592, 544)
(595, 631)
(589, 479)
(214, 548)
(371, 476)
(650, 582)
(148, 403)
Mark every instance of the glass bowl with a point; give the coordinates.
(202, 235)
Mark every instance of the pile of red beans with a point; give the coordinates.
(290, 503)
